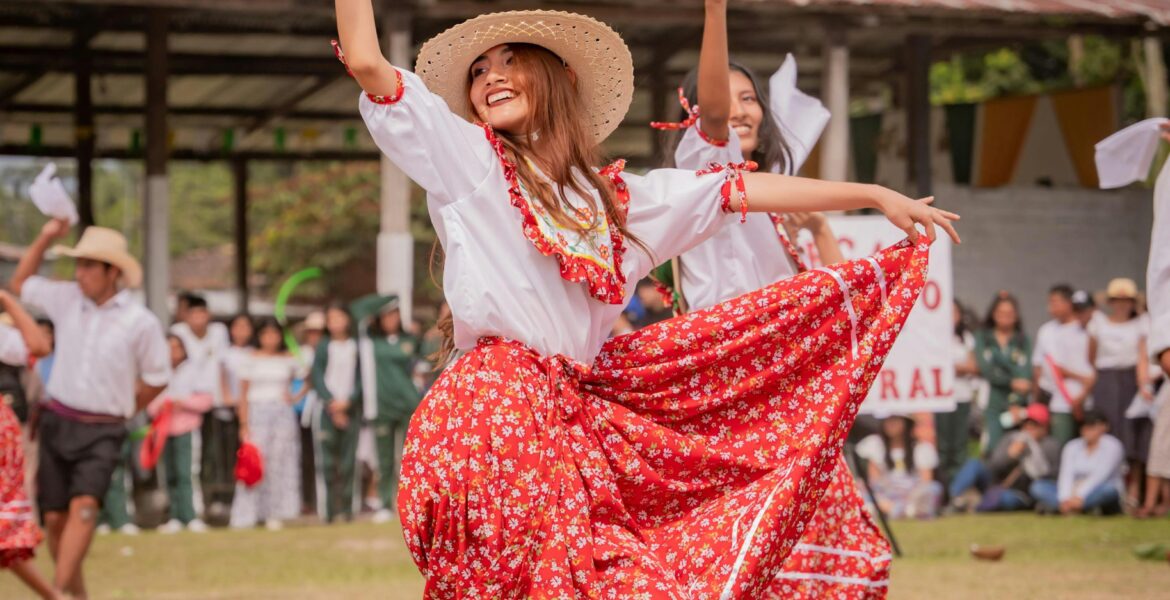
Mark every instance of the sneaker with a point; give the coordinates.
(273, 525)
(102, 529)
(383, 516)
(129, 529)
(172, 526)
(197, 526)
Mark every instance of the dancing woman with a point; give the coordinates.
(680, 461)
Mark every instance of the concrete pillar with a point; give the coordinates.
(835, 151)
(157, 221)
(1155, 77)
(395, 263)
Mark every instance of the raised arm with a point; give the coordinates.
(767, 192)
(34, 338)
(714, 95)
(359, 37)
(30, 262)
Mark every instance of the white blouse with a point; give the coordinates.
(1118, 344)
(270, 377)
(736, 260)
(496, 280)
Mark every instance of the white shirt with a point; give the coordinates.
(873, 450)
(1118, 344)
(206, 356)
(1158, 272)
(341, 369)
(13, 350)
(963, 348)
(1068, 345)
(737, 259)
(101, 351)
(495, 280)
(270, 377)
(1081, 471)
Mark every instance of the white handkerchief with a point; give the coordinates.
(1125, 156)
(802, 118)
(50, 196)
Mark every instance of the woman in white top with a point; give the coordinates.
(952, 429)
(546, 461)
(1117, 344)
(220, 433)
(776, 128)
(901, 470)
(268, 421)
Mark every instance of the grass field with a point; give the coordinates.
(1083, 558)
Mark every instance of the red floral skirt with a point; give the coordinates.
(19, 533)
(686, 462)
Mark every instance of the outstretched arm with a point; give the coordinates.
(714, 75)
(359, 37)
(767, 192)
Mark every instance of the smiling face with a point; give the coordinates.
(746, 112)
(497, 91)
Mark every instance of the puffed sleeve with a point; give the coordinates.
(446, 155)
(696, 150)
(674, 210)
(13, 351)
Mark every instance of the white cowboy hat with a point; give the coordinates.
(106, 245)
(595, 52)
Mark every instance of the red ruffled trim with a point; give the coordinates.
(607, 286)
(373, 98)
(793, 252)
(691, 120)
(734, 173)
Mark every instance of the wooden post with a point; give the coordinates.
(395, 264)
(658, 99)
(83, 127)
(157, 222)
(835, 156)
(918, 163)
(240, 178)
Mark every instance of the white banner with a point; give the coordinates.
(919, 374)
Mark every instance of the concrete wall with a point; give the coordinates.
(1025, 240)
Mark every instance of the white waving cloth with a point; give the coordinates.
(1126, 156)
(802, 118)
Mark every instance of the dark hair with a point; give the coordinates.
(196, 301)
(172, 337)
(376, 324)
(961, 327)
(1063, 290)
(907, 443)
(1094, 416)
(772, 151)
(251, 323)
(43, 322)
(269, 323)
(1000, 298)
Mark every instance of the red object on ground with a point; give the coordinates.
(156, 437)
(249, 464)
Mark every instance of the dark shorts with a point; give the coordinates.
(76, 459)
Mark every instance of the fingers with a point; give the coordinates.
(927, 200)
(931, 234)
(912, 233)
(950, 229)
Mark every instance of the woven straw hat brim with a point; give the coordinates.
(595, 52)
(108, 246)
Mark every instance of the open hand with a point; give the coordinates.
(55, 229)
(905, 214)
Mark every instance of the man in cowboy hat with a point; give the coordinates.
(111, 361)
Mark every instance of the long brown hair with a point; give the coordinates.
(556, 132)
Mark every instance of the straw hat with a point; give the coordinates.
(1122, 288)
(106, 245)
(595, 52)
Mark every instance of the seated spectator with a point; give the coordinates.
(901, 470)
(1021, 458)
(1090, 473)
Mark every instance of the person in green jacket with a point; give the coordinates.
(336, 377)
(1004, 355)
(388, 355)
